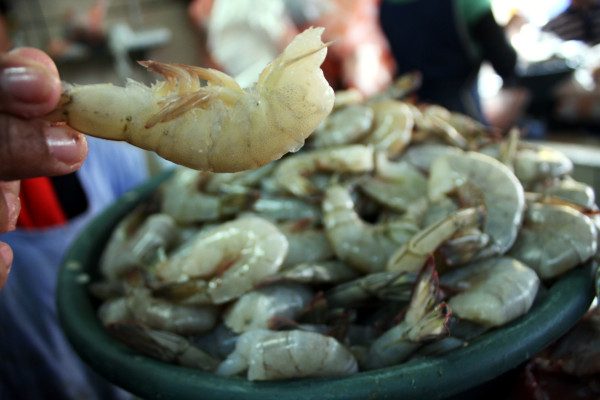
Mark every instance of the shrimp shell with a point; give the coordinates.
(269, 355)
(219, 127)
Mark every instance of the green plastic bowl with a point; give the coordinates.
(459, 371)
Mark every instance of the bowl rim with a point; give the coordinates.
(485, 358)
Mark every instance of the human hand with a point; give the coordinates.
(30, 146)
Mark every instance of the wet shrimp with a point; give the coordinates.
(232, 257)
(184, 199)
(293, 173)
(219, 127)
(168, 316)
(254, 309)
(166, 346)
(398, 185)
(136, 241)
(393, 124)
(364, 246)
(343, 126)
(306, 243)
(492, 292)
(275, 355)
(425, 319)
(412, 254)
(491, 184)
(554, 239)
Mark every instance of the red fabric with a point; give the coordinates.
(40, 206)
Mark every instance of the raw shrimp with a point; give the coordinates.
(391, 286)
(219, 127)
(137, 241)
(271, 355)
(332, 272)
(233, 256)
(412, 255)
(533, 163)
(392, 127)
(168, 316)
(166, 346)
(306, 243)
(570, 190)
(343, 126)
(365, 247)
(293, 173)
(424, 320)
(492, 291)
(422, 155)
(493, 183)
(254, 309)
(397, 185)
(286, 208)
(184, 199)
(554, 239)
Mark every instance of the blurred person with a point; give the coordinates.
(243, 36)
(447, 41)
(36, 361)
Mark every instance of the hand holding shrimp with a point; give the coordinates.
(219, 127)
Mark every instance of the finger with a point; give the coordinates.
(29, 83)
(6, 259)
(9, 211)
(10, 205)
(30, 148)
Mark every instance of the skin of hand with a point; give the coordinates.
(29, 145)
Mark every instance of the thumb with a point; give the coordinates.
(30, 148)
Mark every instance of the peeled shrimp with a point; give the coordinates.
(219, 127)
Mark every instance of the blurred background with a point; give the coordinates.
(558, 96)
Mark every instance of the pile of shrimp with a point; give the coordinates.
(399, 231)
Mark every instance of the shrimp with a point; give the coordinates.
(166, 346)
(365, 247)
(493, 291)
(570, 190)
(414, 252)
(398, 185)
(293, 173)
(136, 241)
(391, 286)
(254, 309)
(495, 184)
(393, 123)
(306, 244)
(554, 239)
(331, 271)
(219, 127)
(185, 201)
(233, 257)
(424, 320)
(167, 316)
(274, 355)
(343, 126)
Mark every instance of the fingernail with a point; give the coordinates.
(28, 84)
(67, 146)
